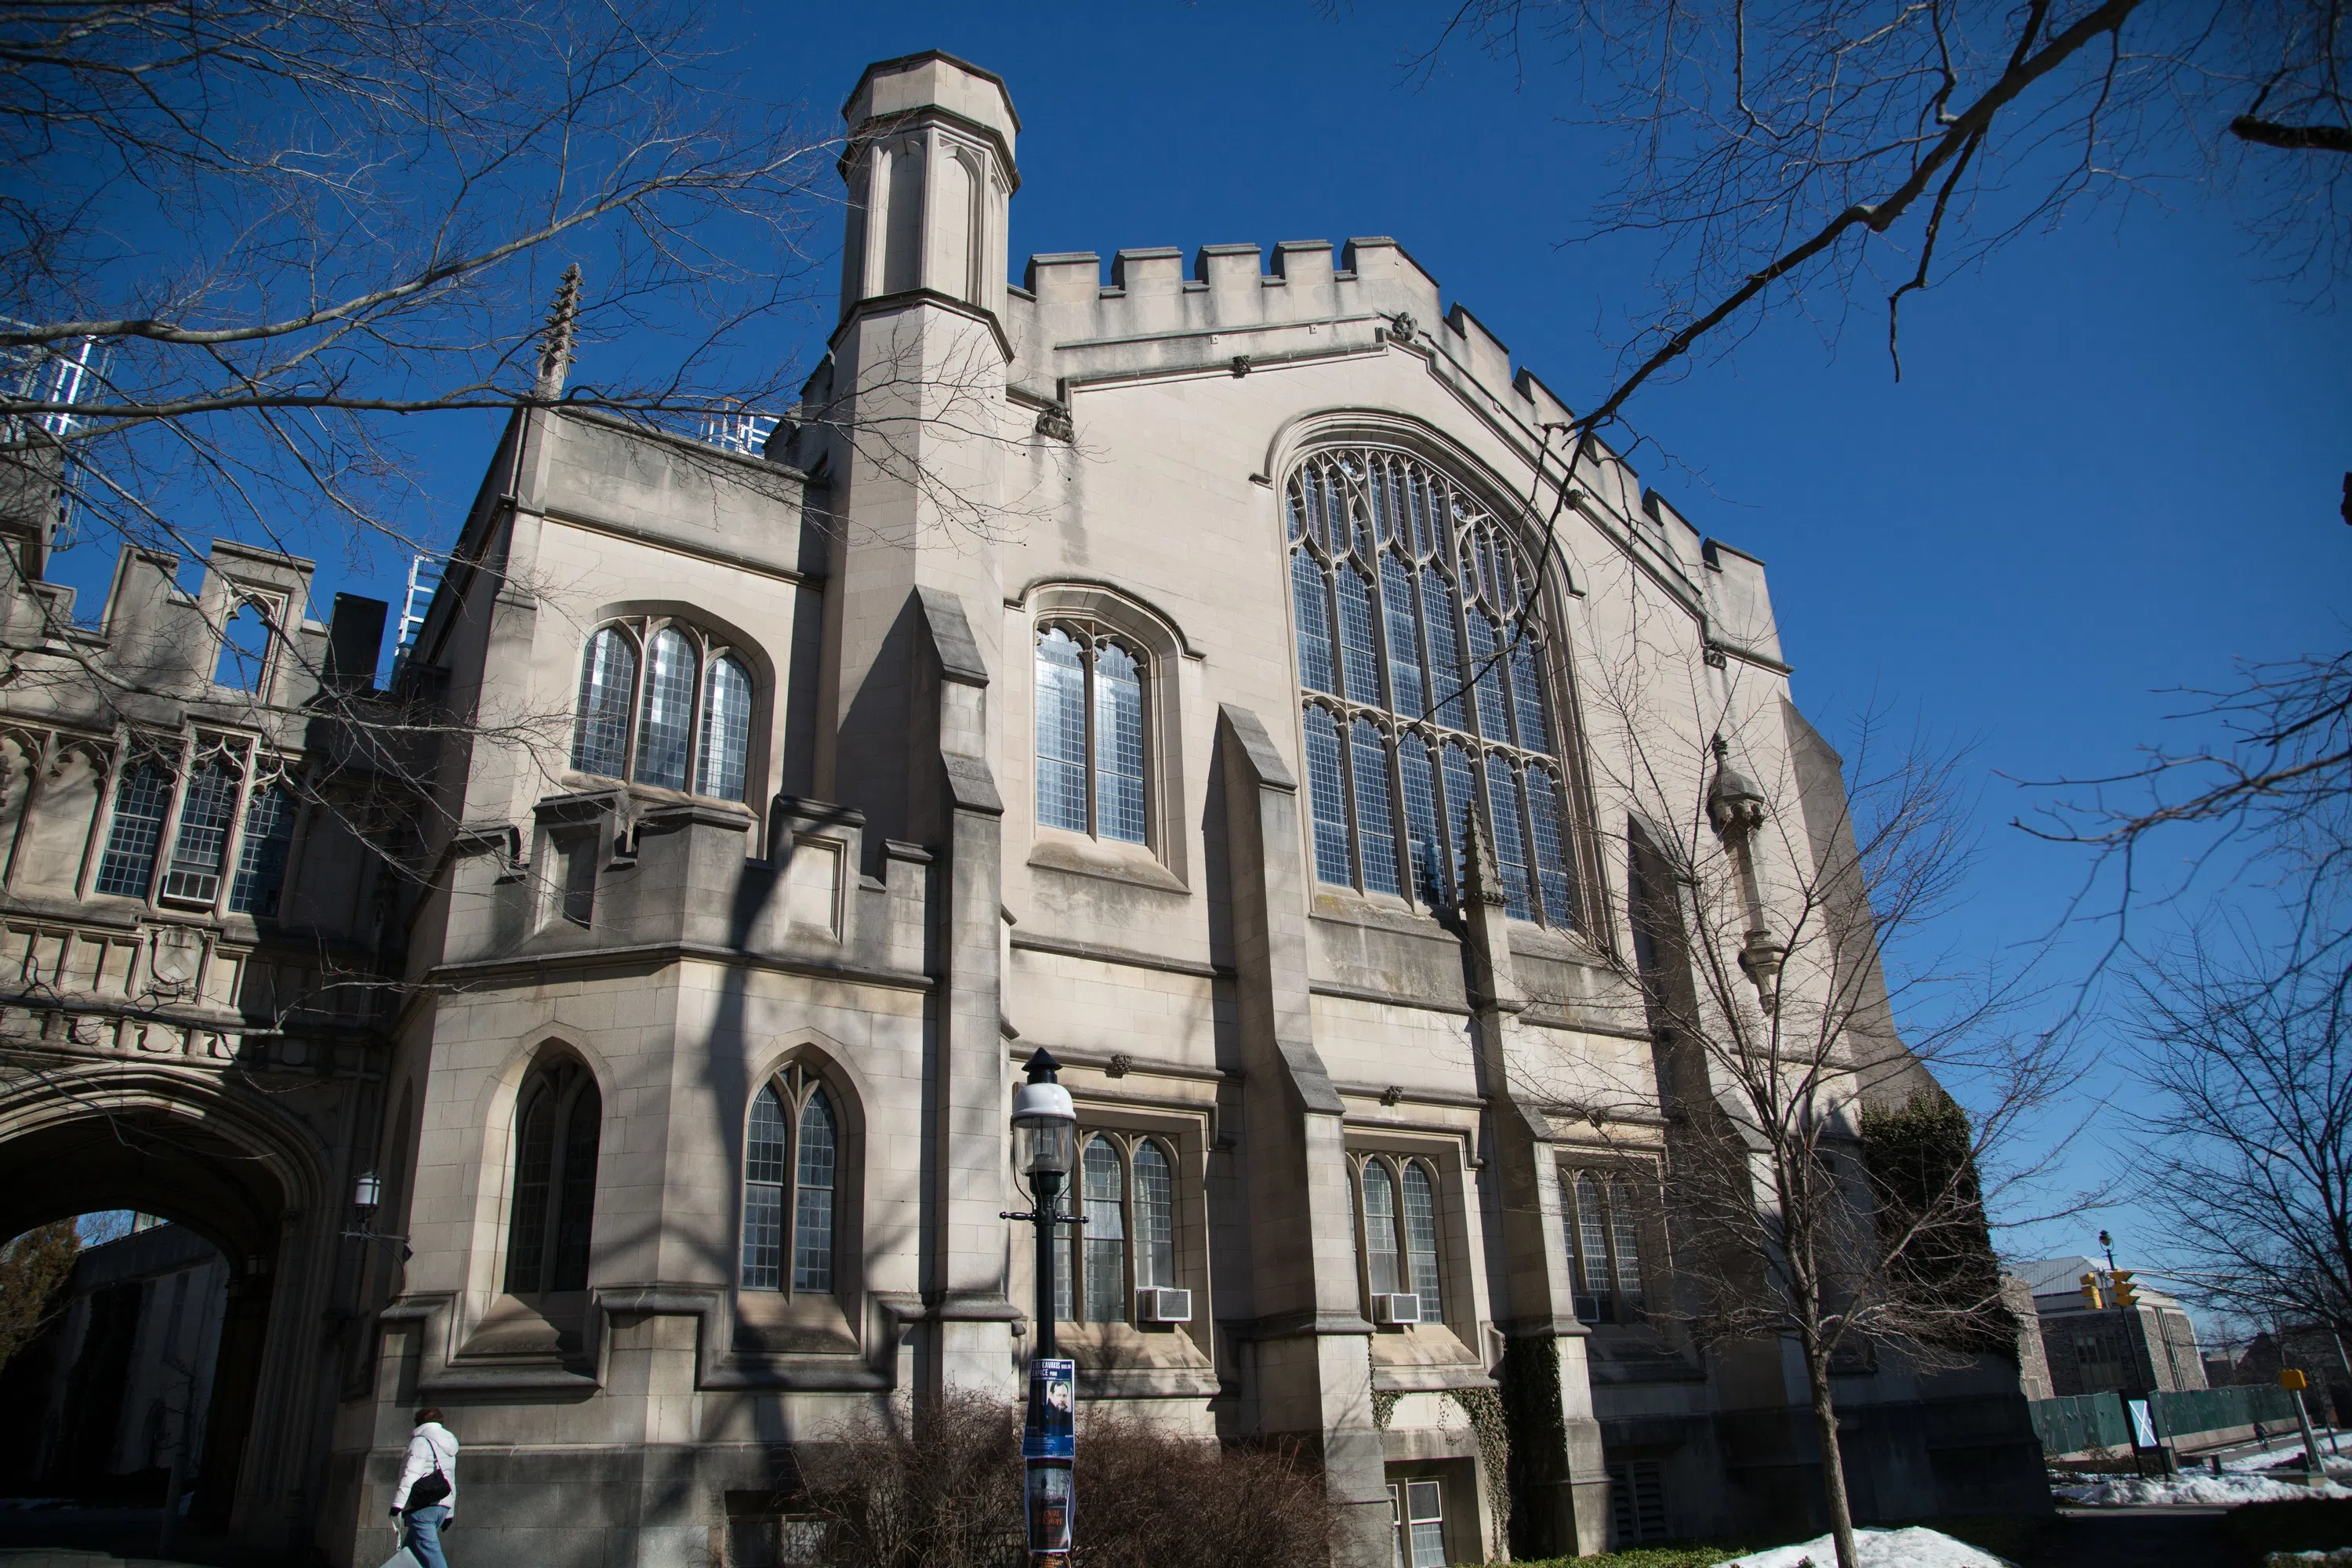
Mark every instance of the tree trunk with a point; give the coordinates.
(1817, 1380)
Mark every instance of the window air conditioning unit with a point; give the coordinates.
(1159, 1304)
(1403, 1307)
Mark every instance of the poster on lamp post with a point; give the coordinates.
(1049, 1506)
(1050, 1431)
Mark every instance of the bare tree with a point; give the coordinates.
(2252, 1061)
(1820, 155)
(1823, 1187)
(247, 239)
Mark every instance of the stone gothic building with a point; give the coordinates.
(1176, 674)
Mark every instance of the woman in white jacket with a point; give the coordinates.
(427, 1494)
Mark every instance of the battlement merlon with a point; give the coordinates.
(1070, 328)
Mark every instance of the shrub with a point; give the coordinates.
(944, 1491)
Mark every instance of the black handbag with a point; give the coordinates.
(428, 1490)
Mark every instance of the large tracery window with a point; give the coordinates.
(1090, 732)
(662, 703)
(1423, 646)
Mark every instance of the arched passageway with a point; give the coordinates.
(220, 1159)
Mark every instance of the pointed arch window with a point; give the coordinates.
(1396, 1216)
(1601, 1214)
(663, 703)
(792, 1171)
(1127, 1194)
(1425, 657)
(1090, 732)
(559, 1121)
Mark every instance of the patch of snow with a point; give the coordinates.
(1912, 1548)
(2225, 1490)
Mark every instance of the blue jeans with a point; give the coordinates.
(423, 1535)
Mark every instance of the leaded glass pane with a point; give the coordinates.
(576, 1205)
(1421, 1241)
(202, 842)
(1119, 745)
(1155, 1217)
(763, 1194)
(1526, 695)
(1594, 1303)
(140, 802)
(1359, 661)
(1061, 732)
(726, 741)
(1311, 600)
(1551, 848)
(1624, 1225)
(1510, 840)
(1447, 674)
(666, 715)
(1485, 664)
(1426, 854)
(1105, 1232)
(534, 1171)
(1379, 1228)
(1375, 820)
(261, 859)
(1461, 800)
(812, 1208)
(1328, 799)
(608, 680)
(1401, 619)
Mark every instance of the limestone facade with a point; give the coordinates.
(1068, 673)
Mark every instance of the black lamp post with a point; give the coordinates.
(1044, 1125)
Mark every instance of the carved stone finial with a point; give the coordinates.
(1734, 801)
(556, 342)
(1482, 878)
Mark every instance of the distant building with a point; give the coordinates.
(119, 1384)
(2150, 1345)
(2313, 1349)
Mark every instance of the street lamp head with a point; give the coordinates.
(368, 1194)
(2105, 1240)
(1043, 1121)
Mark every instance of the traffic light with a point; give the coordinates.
(2091, 1296)
(2126, 1293)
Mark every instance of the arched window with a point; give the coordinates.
(1421, 1240)
(1379, 1228)
(726, 729)
(608, 680)
(1090, 732)
(244, 658)
(1155, 1217)
(1422, 636)
(559, 1120)
(792, 1157)
(1399, 1232)
(261, 860)
(1125, 1191)
(1602, 1215)
(689, 719)
(666, 714)
(142, 800)
(1104, 1235)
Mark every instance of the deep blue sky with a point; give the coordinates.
(2112, 466)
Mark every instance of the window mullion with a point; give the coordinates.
(1087, 702)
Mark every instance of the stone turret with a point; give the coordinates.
(930, 169)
